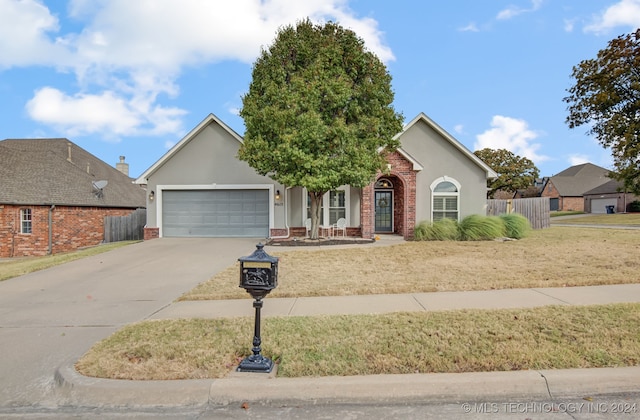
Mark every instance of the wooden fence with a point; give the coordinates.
(535, 209)
(125, 228)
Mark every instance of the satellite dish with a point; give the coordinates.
(98, 186)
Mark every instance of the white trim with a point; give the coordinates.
(143, 179)
(475, 159)
(161, 188)
(435, 183)
(325, 204)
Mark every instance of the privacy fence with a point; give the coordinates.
(535, 209)
(125, 228)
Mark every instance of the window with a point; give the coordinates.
(445, 193)
(25, 220)
(334, 206)
(337, 207)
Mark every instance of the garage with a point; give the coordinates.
(215, 213)
(598, 205)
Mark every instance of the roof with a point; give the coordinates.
(448, 137)
(578, 179)
(609, 187)
(56, 171)
(142, 179)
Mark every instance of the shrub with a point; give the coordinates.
(481, 228)
(440, 230)
(516, 225)
(634, 206)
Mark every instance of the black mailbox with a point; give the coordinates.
(258, 272)
(258, 275)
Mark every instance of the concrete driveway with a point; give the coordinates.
(52, 316)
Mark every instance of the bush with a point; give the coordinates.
(516, 225)
(481, 228)
(440, 230)
(634, 206)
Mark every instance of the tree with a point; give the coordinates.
(514, 172)
(606, 97)
(319, 112)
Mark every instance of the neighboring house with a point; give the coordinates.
(611, 193)
(201, 188)
(54, 196)
(566, 190)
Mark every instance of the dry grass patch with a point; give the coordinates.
(15, 267)
(629, 219)
(555, 257)
(555, 337)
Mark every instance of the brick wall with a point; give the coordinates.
(72, 228)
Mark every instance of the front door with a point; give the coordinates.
(384, 211)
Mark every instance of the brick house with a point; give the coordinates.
(55, 195)
(566, 189)
(200, 188)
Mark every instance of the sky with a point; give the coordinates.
(133, 77)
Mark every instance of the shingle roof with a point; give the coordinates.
(576, 180)
(38, 171)
(612, 186)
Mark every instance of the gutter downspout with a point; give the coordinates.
(286, 221)
(50, 250)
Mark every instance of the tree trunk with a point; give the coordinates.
(316, 207)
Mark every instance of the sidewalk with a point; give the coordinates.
(268, 389)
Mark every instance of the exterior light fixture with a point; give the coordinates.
(277, 195)
(152, 195)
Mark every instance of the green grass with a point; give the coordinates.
(553, 337)
(516, 225)
(565, 213)
(15, 267)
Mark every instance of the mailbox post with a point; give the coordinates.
(258, 276)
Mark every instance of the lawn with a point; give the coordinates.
(554, 257)
(621, 219)
(552, 337)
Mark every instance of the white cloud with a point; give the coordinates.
(512, 134)
(129, 53)
(472, 27)
(513, 11)
(624, 13)
(569, 24)
(578, 159)
(459, 129)
(107, 112)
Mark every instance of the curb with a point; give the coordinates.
(528, 385)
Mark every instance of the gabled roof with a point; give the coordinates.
(578, 179)
(455, 143)
(56, 171)
(142, 179)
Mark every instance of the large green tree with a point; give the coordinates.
(606, 98)
(319, 112)
(514, 172)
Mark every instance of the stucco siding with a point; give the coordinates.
(441, 158)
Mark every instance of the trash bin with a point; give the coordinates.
(610, 209)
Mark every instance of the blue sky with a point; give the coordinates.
(132, 77)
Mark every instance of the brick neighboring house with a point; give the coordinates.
(566, 190)
(49, 196)
(610, 193)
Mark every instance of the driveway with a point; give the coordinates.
(52, 316)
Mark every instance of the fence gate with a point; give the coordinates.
(536, 209)
(125, 228)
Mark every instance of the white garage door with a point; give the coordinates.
(598, 205)
(215, 213)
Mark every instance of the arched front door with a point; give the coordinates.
(383, 199)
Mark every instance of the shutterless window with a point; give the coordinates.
(25, 220)
(337, 209)
(445, 201)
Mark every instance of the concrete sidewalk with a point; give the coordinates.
(530, 385)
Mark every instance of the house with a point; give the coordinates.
(566, 190)
(200, 188)
(54, 196)
(610, 194)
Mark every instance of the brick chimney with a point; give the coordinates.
(122, 166)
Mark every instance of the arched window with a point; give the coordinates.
(445, 199)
